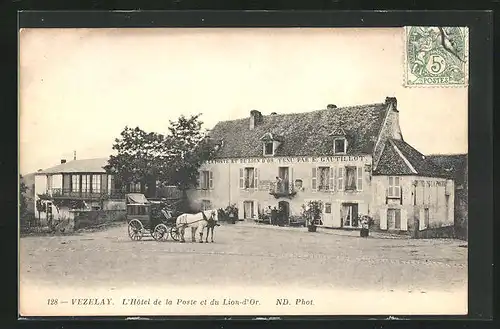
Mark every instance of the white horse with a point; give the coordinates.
(197, 222)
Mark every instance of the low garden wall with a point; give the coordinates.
(97, 217)
(447, 232)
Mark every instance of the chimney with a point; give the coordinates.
(331, 106)
(74, 155)
(392, 101)
(63, 161)
(255, 118)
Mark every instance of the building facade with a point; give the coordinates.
(353, 159)
(78, 184)
(456, 165)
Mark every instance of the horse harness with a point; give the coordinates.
(210, 221)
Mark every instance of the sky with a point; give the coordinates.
(79, 88)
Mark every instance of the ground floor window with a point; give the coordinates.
(426, 217)
(349, 213)
(394, 219)
(248, 209)
(328, 208)
(206, 205)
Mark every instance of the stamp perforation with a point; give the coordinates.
(465, 66)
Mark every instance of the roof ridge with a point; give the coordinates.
(446, 154)
(308, 112)
(405, 159)
(86, 159)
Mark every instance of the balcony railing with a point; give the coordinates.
(282, 189)
(86, 195)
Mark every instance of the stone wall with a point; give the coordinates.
(97, 217)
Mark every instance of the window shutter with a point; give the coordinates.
(256, 178)
(360, 178)
(340, 181)
(255, 209)
(291, 183)
(314, 181)
(383, 219)
(211, 180)
(421, 220)
(241, 211)
(404, 220)
(200, 180)
(332, 179)
(242, 178)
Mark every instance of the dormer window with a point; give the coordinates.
(270, 143)
(339, 145)
(339, 141)
(268, 148)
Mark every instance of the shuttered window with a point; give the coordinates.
(394, 190)
(394, 219)
(340, 179)
(360, 178)
(314, 180)
(242, 178)
(211, 180)
(205, 179)
(332, 179)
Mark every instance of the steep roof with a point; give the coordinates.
(400, 158)
(454, 164)
(78, 166)
(303, 134)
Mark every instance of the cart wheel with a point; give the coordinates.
(174, 233)
(160, 233)
(135, 229)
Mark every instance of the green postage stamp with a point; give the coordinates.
(436, 56)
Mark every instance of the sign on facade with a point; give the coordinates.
(283, 160)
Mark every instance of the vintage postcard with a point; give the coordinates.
(241, 171)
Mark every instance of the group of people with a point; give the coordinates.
(276, 216)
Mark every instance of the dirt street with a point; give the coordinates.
(246, 255)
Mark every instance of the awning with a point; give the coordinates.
(136, 198)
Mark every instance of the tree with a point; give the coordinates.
(189, 149)
(23, 204)
(139, 156)
(171, 159)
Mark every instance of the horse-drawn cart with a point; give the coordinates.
(149, 218)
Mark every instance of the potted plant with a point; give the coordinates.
(312, 213)
(365, 222)
(232, 213)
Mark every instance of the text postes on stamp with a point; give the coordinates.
(436, 56)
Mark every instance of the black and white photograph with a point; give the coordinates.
(242, 171)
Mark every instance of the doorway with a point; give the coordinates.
(284, 212)
(283, 174)
(349, 214)
(248, 210)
